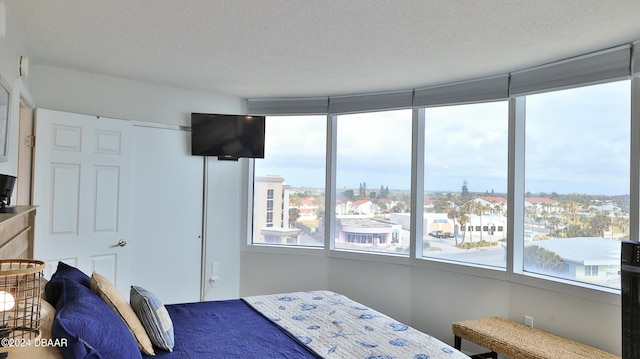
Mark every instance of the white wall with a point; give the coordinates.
(269, 273)
(79, 92)
(595, 322)
(10, 49)
(224, 211)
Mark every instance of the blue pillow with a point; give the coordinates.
(154, 317)
(91, 329)
(64, 271)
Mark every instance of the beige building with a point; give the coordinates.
(271, 211)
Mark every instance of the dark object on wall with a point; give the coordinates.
(6, 189)
(630, 288)
(227, 136)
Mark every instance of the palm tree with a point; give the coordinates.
(295, 200)
(531, 213)
(466, 211)
(318, 202)
(498, 208)
(452, 216)
(294, 214)
(463, 219)
(489, 209)
(574, 208)
(545, 216)
(540, 258)
(478, 208)
(555, 221)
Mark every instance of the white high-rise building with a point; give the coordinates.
(271, 211)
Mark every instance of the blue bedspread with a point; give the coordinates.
(227, 329)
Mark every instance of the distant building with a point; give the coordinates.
(586, 259)
(367, 232)
(363, 206)
(308, 210)
(437, 222)
(541, 204)
(280, 235)
(609, 207)
(341, 207)
(271, 211)
(493, 227)
(429, 204)
(496, 204)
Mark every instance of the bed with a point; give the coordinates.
(313, 324)
(86, 317)
(89, 318)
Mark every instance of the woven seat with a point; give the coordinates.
(518, 341)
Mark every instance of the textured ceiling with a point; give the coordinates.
(285, 48)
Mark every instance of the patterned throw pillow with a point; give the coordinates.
(154, 317)
(109, 293)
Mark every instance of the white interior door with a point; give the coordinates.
(166, 217)
(81, 185)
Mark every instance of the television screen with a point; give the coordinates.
(227, 136)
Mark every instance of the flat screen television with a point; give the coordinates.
(228, 137)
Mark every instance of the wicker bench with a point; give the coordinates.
(518, 341)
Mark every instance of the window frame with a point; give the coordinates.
(519, 241)
(515, 204)
(515, 218)
(346, 253)
(419, 255)
(248, 217)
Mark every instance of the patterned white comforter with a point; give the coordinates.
(334, 326)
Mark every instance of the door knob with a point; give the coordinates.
(121, 243)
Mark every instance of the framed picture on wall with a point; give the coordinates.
(4, 118)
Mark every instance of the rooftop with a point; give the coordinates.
(583, 250)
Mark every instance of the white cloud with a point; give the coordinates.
(576, 141)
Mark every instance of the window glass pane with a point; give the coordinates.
(465, 183)
(373, 182)
(577, 182)
(288, 188)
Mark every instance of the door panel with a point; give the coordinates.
(166, 195)
(64, 199)
(66, 138)
(105, 265)
(107, 187)
(81, 185)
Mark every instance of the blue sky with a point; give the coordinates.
(577, 142)
(580, 138)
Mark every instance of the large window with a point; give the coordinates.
(577, 182)
(553, 142)
(288, 194)
(373, 182)
(465, 183)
